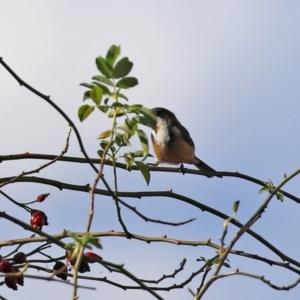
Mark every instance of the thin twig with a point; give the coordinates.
(242, 230)
(37, 170)
(261, 278)
(172, 275)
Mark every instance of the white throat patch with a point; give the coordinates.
(162, 135)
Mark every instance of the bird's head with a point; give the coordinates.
(164, 115)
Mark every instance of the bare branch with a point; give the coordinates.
(261, 278)
(134, 168)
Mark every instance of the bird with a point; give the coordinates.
(173, 144)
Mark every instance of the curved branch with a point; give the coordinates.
(261, 278)
(168, 194)
(62, 113)
(148, 239)
(134, 168)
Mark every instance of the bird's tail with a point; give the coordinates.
(202, 166)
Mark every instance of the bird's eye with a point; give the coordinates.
(159, 113)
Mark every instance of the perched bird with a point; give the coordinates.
(172, 142)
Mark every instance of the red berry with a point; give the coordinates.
(42, 197)
(20, 279)
(19, 258)
(6, 266)
(38, 219)
(84, 266)
(92, 257)
(11, 282)
(60, 267)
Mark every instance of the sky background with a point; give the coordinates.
(229, 70)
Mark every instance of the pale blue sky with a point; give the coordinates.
(229, 70)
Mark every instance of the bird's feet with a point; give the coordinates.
(182, 169)
(152, 165)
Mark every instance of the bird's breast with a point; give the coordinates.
(161, 134)
(169, 145)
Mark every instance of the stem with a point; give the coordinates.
(244, 228)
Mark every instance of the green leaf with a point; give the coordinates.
(279, 196)
(144, 170)
(96, 94)
(88, 85)
(119, 112)
(125, 137)
(141, 120)
(84, 111)
(100, 153)
(129, 162)
(129, 154)
(88, 239)
(86, 95)
(263, 189)
(103, 144)
(132, 129)
(127, 82)
(134, 108)
(118, 104)
(202, 258)
(269, 187)
(144, 141)
(122, 68)
(104, 67)
(104, 134)
(129, 127)
(150, 116)
(70, 247)
(113, 150)
(122, 96)
(138, 153)
(217, 261)
(225, 264)
(236, 206)
(95, 242)
(119, 140)
(103, 79)
(73, 235)
(104, 88)
(103, 108)
(113, 53)
(132, 126)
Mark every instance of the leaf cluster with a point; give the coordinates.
(87, 241)
(105, 94)
(269, 187)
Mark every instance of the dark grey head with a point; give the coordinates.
(163, 113)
